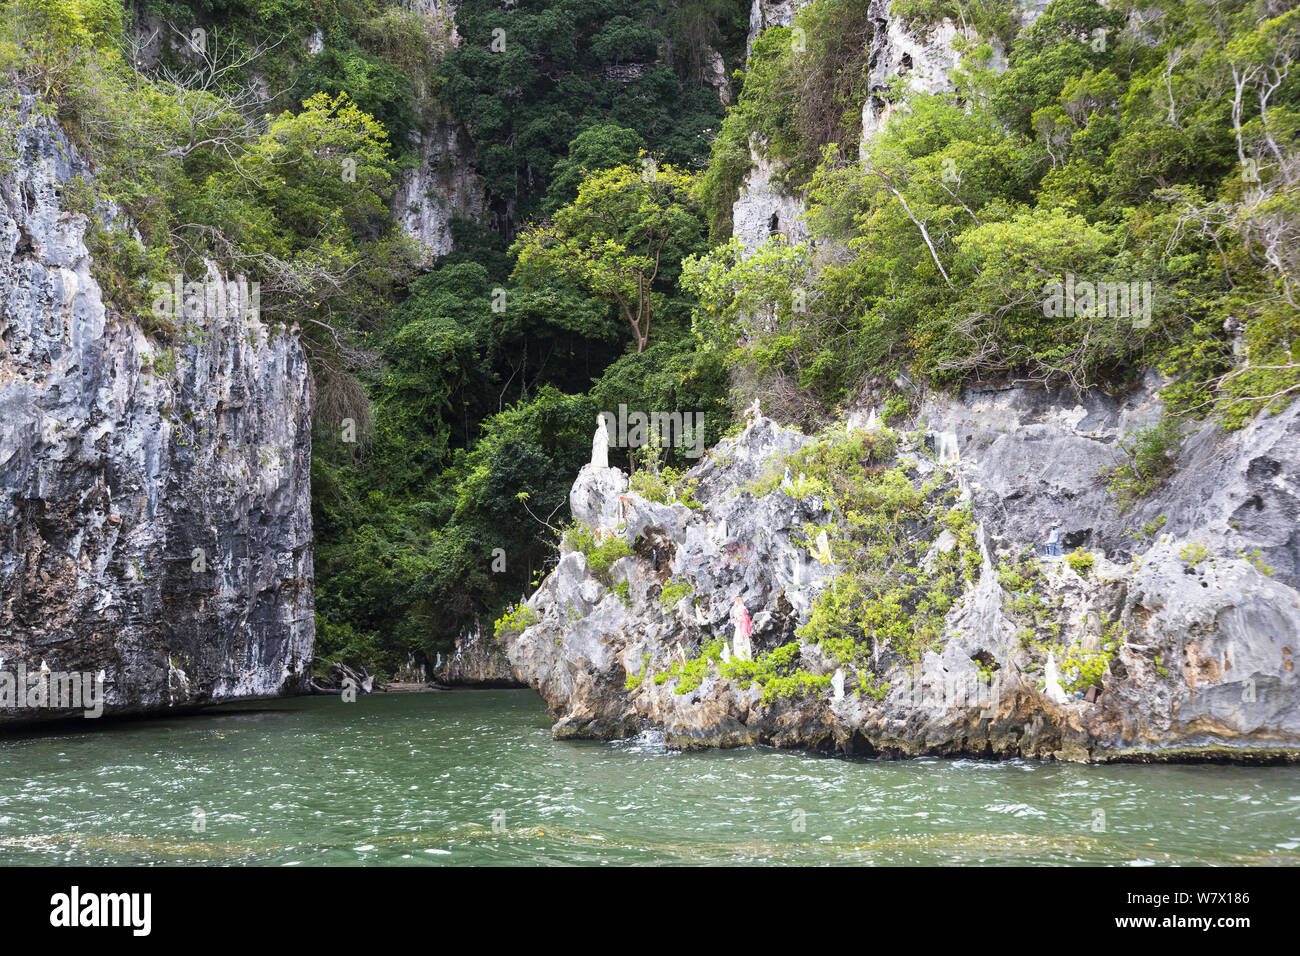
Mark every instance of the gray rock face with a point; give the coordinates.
(764, 209)
(1203, 645)
(716, 75)
(155, 512)
(1033, 456)
(478, 661)
(442, 187)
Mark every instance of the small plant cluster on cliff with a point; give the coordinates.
(778, 672)
(1149, 458)
(1040, 617)
(905, 550)
(516, 620)
(600, 552)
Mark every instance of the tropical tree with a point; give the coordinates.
(620, 239)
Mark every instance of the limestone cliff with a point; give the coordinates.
(764, 208)
(155, 519)
(1192, 595)
(442, 185)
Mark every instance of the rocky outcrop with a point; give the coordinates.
(1200, 640)
(770, 13)
(479, 660)
(155, 520)
(765, 209)
(715, 74)
(442, 185)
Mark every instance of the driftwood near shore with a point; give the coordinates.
(342, 677)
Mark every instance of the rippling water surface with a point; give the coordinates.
(474, 777)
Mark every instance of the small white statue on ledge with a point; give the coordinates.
(822, 552)
(837, 684)
(600, 444)
(743, 629)
(1052, 675)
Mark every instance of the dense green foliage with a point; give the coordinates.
(453, 503)
(1100, 155)
(803, 89)
(531, 76)
(264, 197)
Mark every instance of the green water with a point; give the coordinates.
(474, 777)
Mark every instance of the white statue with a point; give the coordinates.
(786, 484)
(837, 684)
(726, 652)
(945, 447)
(1055, 692)
(720, 532)
(743, 629)
(823, 550)
(600, 444)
